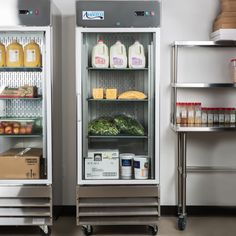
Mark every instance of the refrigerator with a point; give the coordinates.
(104, 197)
(29, 122)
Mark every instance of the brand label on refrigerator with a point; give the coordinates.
(93, 15)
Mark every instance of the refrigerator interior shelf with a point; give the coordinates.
(117, 137)
(203, 128)
(21, 135)
(117, 100)
(21, 98)
(117, 69)
(203, 85)
(20, 69)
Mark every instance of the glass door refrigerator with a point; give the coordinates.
(118, 113)
(28, 103)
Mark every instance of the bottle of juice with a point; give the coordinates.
(15, 55)
(136, 56)
(100, 58)
(2, 55)
(118, 56)
(32, 55)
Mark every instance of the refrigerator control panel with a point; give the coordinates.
(96, 13)
(25, 13)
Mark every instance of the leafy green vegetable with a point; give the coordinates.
(128, 125)
(102, 126)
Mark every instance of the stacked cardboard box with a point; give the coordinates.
(227, 18)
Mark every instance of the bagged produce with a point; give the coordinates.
(102, 126)
(128, 125)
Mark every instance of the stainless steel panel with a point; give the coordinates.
(25, 13)
(24, 212)
(119, 13)
(117, 191)
(204, 44)
(210, 169)
(118, 211)
(137, 220)
(116, 202)
(25, 191)
(27, 221)
(28, 202)
(203, 85)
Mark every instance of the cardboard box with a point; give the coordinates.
(20, 163)
(102, 164)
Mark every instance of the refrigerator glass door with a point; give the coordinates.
(99, 160)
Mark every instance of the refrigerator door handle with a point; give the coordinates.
(79, 110)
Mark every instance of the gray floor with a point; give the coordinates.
(197, 226)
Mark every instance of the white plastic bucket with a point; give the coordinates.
(141, 166)
(126, 165)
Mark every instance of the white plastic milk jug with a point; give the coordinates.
(100, 57)
(136, 56)
(118, 56)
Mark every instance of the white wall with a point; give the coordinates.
(181, 20)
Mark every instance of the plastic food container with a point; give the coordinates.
(204, 115)
(20, 126)
(233, 65)
(184, 114)
(191, 113)
(232, 116)
(126, 165)
(216, 116)
(178, 112)
(210, 116)
(221, 116)
(141, 166)
(198, 113)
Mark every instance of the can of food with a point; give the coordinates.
(126, 170)
(141, 166)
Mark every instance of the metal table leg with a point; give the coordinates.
(182, 174)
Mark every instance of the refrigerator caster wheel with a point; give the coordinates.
(153, 230)
(88, 230)
(46, 231)
(182, 221)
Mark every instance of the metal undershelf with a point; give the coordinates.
(131, 220)
(117, 211)
(203, 44)
(111, 202)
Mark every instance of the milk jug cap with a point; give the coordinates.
(100, 41)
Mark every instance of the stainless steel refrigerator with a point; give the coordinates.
(104, 197)
(26, 197)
